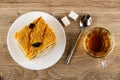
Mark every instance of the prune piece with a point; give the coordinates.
(37, 44)
(31, 25)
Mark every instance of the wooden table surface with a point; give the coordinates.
(105, 13)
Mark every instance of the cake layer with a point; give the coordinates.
(35, 37)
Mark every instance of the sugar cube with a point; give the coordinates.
(65, 21)
(73, 15)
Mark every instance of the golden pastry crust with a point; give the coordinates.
(39, 33)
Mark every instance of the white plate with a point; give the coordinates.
(50, 56)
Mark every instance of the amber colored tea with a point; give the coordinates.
(98, 42)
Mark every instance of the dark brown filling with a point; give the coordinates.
(37, 44)
(32, 25)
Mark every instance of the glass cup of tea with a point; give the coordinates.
(98, 42)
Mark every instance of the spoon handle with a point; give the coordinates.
(73, 49)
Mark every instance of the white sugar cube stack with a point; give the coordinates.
(72, 15)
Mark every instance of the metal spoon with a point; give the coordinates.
(85, 21)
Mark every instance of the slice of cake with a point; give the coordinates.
(35, 38)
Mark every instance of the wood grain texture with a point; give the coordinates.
(105, 13)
